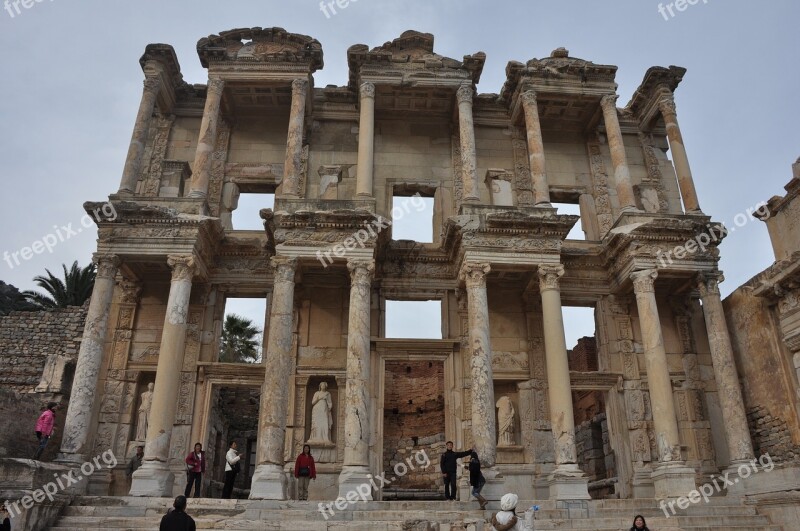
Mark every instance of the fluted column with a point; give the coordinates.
(366, 141)
(201, 169)
(666, 105)
(154, 477)
(78, 423)
(737, 432)
(269, 480)
(355, 469)
(541, 189)
(671, 476)
(466, 134)
(483, 403)
(133, 163)
(294, 141)
(622, 173)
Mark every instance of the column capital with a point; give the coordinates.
(216, 85)
(284, 268)
(361, 271)
(131, 291)
(474, 273)
(549, 276)
(367, 90)
(644, 281)
(300, 86)
(183, 266)
(106, 265)
(666, 102)
(528, 97)
(708, 283)
(152, 84)
(609, 102)
(465, 93)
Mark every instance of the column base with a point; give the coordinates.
(153, 479)
(568, 482)
(642, 484)
(673, 480)
(355, 479)
(269, 483)
(197, 194)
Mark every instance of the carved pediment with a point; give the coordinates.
(260, 45)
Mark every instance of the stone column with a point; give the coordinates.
(154, 478)
(269, 480)
(355, 469)
(737, 432)
(622, 173)
(78, 424)
(366, 141)
(567, 480)
(294, 141)
(201, 169)
(666, 105)
(466, 133)
(541, 190)
(484, 426)
(671, 476)
(133, 163)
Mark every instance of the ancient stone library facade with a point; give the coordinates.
(668, 409)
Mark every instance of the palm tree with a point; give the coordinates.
(240, 340)
(74, 290)
(13, 300)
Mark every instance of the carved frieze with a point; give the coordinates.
(602, 200)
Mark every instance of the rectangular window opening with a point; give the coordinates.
(572, 209)
(414, 319)
(412, 213)
(246, 215)
(242, 333)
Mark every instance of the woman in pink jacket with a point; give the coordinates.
(45, 427)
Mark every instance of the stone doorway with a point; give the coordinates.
(413, 428)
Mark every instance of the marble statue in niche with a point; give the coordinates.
(505, 422)
(145, 404)
(321, 417)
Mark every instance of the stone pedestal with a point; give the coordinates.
(568, 482)
(673, 480)
(269, 483)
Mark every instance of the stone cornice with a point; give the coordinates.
(646, 99)
(264, 45)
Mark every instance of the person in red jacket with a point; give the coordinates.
(195, 466)
(45, 427)
(304, 471)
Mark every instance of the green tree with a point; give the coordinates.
(13, 300)
(240, 342)
(74, 290)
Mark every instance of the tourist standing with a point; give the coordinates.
(5, 525)
(304, 471)
(135, 462)
(232, 467)
(45, 427)
(195, 466)
(476, 478)
(177, 519)
(449, 465)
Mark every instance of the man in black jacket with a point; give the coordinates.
(177, 519)
(449, 465)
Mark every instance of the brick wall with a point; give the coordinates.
(414, 420)
(771, 435)
(27, 338)
(595, 456)
(584, 356)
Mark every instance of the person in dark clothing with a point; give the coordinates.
(177, 519)
(449, 465)
(195, 466)
(476, 478)
(639, 524)
(5, 522)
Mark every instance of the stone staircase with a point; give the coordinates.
(134, 514)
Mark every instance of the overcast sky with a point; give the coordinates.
(72, 85)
